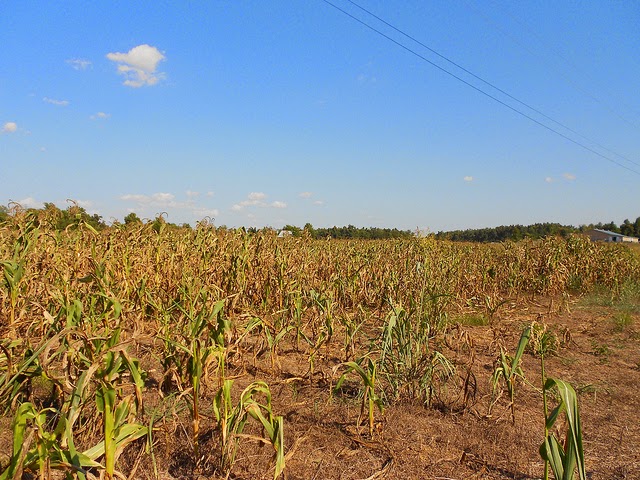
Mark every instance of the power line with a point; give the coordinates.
(557, 52)
(422, 57)
(486, 82)
(564, 76)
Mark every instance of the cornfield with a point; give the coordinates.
(116, 342)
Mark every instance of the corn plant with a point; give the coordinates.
(204, 344)
(352, 325)
(14, 269)
(118, 430)
(232, 420)
(108, 373)
(53, 449)
(567, 456)
(16, 377)
(271, 337)
(508, 370)
(410, 366)
(370, 397)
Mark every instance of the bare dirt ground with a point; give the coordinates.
(599, 354)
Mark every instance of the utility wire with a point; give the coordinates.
(486, 82)
(565, 77)
(422, 57)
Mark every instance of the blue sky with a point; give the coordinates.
(274, 112)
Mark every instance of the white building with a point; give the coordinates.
(607, 236)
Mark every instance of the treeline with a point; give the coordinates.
(537, 230)
(350, 231)
(75, 215)
(59, 219)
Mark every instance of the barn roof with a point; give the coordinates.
(613, 234)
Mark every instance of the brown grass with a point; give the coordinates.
(151, 285)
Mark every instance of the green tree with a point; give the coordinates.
(309, 229)
(296, 231)
(132, 218)
(627, 228)
(4, 214)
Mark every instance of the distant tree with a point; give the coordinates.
(131, 219)
(308, 228)
(296, 231)
(159, 223)
(611, 226)
(627, 228)
(4, 214)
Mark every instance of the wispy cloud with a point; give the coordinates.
(257, 199)
(309, 196)
(192, 194)
(58, 103)
(160, 199)
(569, 176)
(168, 201)
(139, 65)
(86, 204)
(468, 178)
(364, 78)
(202, 212)
(549, 179)
(256, 196)
(100, 116)
(79, 63)
(30, 202)
(10, 127)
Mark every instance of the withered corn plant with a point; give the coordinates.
(232, 419)
(79, 306)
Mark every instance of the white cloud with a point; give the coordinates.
(548, 179)
(169, 202)
(43, 149)
(305, 194)
(84, 203)
(569, 176)
(139, 65)
(99, 116)
(254, 196)
(192, 194)
(156, 200)
(30, 202)
(209, 193)
(318, 202)
(134, 197)
(163, 197)
(10, 127)
(53, 101)
(79, 63)
(366, 78)
(257, 199)
(468, 178)
(202, 212)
